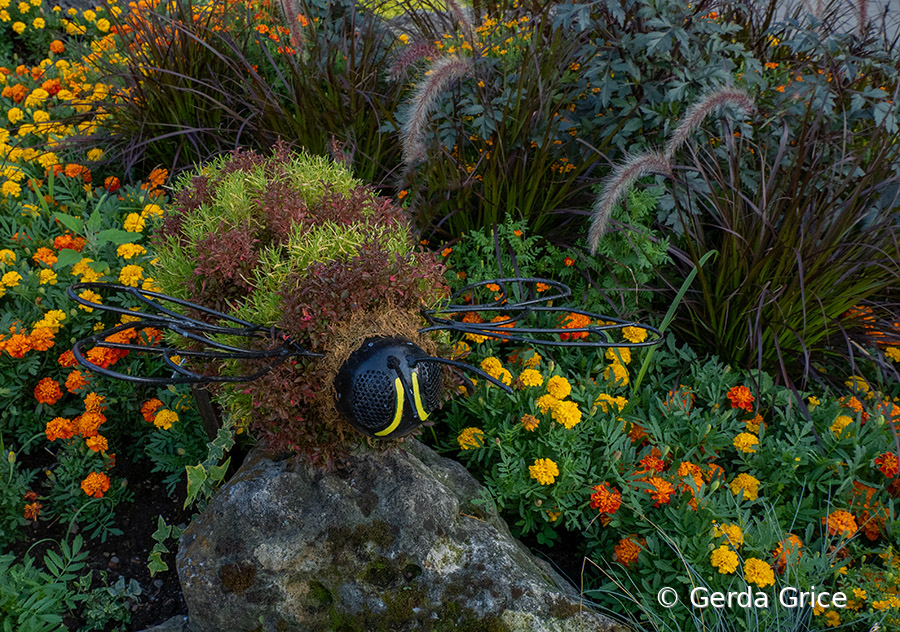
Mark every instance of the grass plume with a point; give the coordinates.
(444, 71)
(703, 108)
(617, 184)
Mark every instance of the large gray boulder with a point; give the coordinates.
(391, 542)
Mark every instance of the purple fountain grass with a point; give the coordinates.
(701, 109)
(617, 184)
(444, 71)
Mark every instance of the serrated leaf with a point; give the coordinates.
(75, 224)
(117, 236)
(66, 257)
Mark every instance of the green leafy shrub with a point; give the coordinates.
(294, 241)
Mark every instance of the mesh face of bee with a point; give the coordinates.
(387, 388)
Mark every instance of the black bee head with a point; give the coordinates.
(388, 387)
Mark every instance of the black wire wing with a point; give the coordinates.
(193, 329)
(521, 301)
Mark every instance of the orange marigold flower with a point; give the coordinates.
(45, 256)
(661, 491)
(67, 241)
(574, 321)
(97, 443)
(790, 547)
(94, 403)
(888, 464)
(47, 391)
(855, 405)
(76, 381)
(693, 470)
(67, 359)
(606, 498)
(32, 511)
(542, 287)
(88, 424)
(741, 397)
(112, 184)
(18, 345)
(530, 422)
(149, 408)
(41, 338)
(568, 261)
(59, 428)
(840, 523)
(95, 484)
(57, 47)
(714, 471)
(653, 463)
(627, 550)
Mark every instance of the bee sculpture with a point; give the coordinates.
(389, 385)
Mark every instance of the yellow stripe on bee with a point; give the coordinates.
(423, 415)
(398, 414)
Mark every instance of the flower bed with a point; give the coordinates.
(763, 455)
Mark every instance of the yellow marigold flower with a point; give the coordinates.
(127, 251)
(491, 366)
(841, 422)
(89, 15)
(24, 7)
(38, 23)
(95, 154)
(93, 297)
(732, 532)
(724, 560)
(15, 114)
(11, 279)
(754, 424)
(40, 116)
(533, 361)
(165, 418)
(758, 572)
(130, 275)
(546, 402)
(617, 374)
(18, 27)
(7, 257)
(10, 188)
(530, 377)
(150, 285)
(619, 354)
(470, 438)
(813, 401)
(634, 334)
(747, 483)
(544, 471)
(746, 442)
(85, 271)
(893, 353)
(607, 402)
(566, 413)
(152, 210)
(103, 25)
(134, 223)
(47, 276)
(559, 387)
(530, 422)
